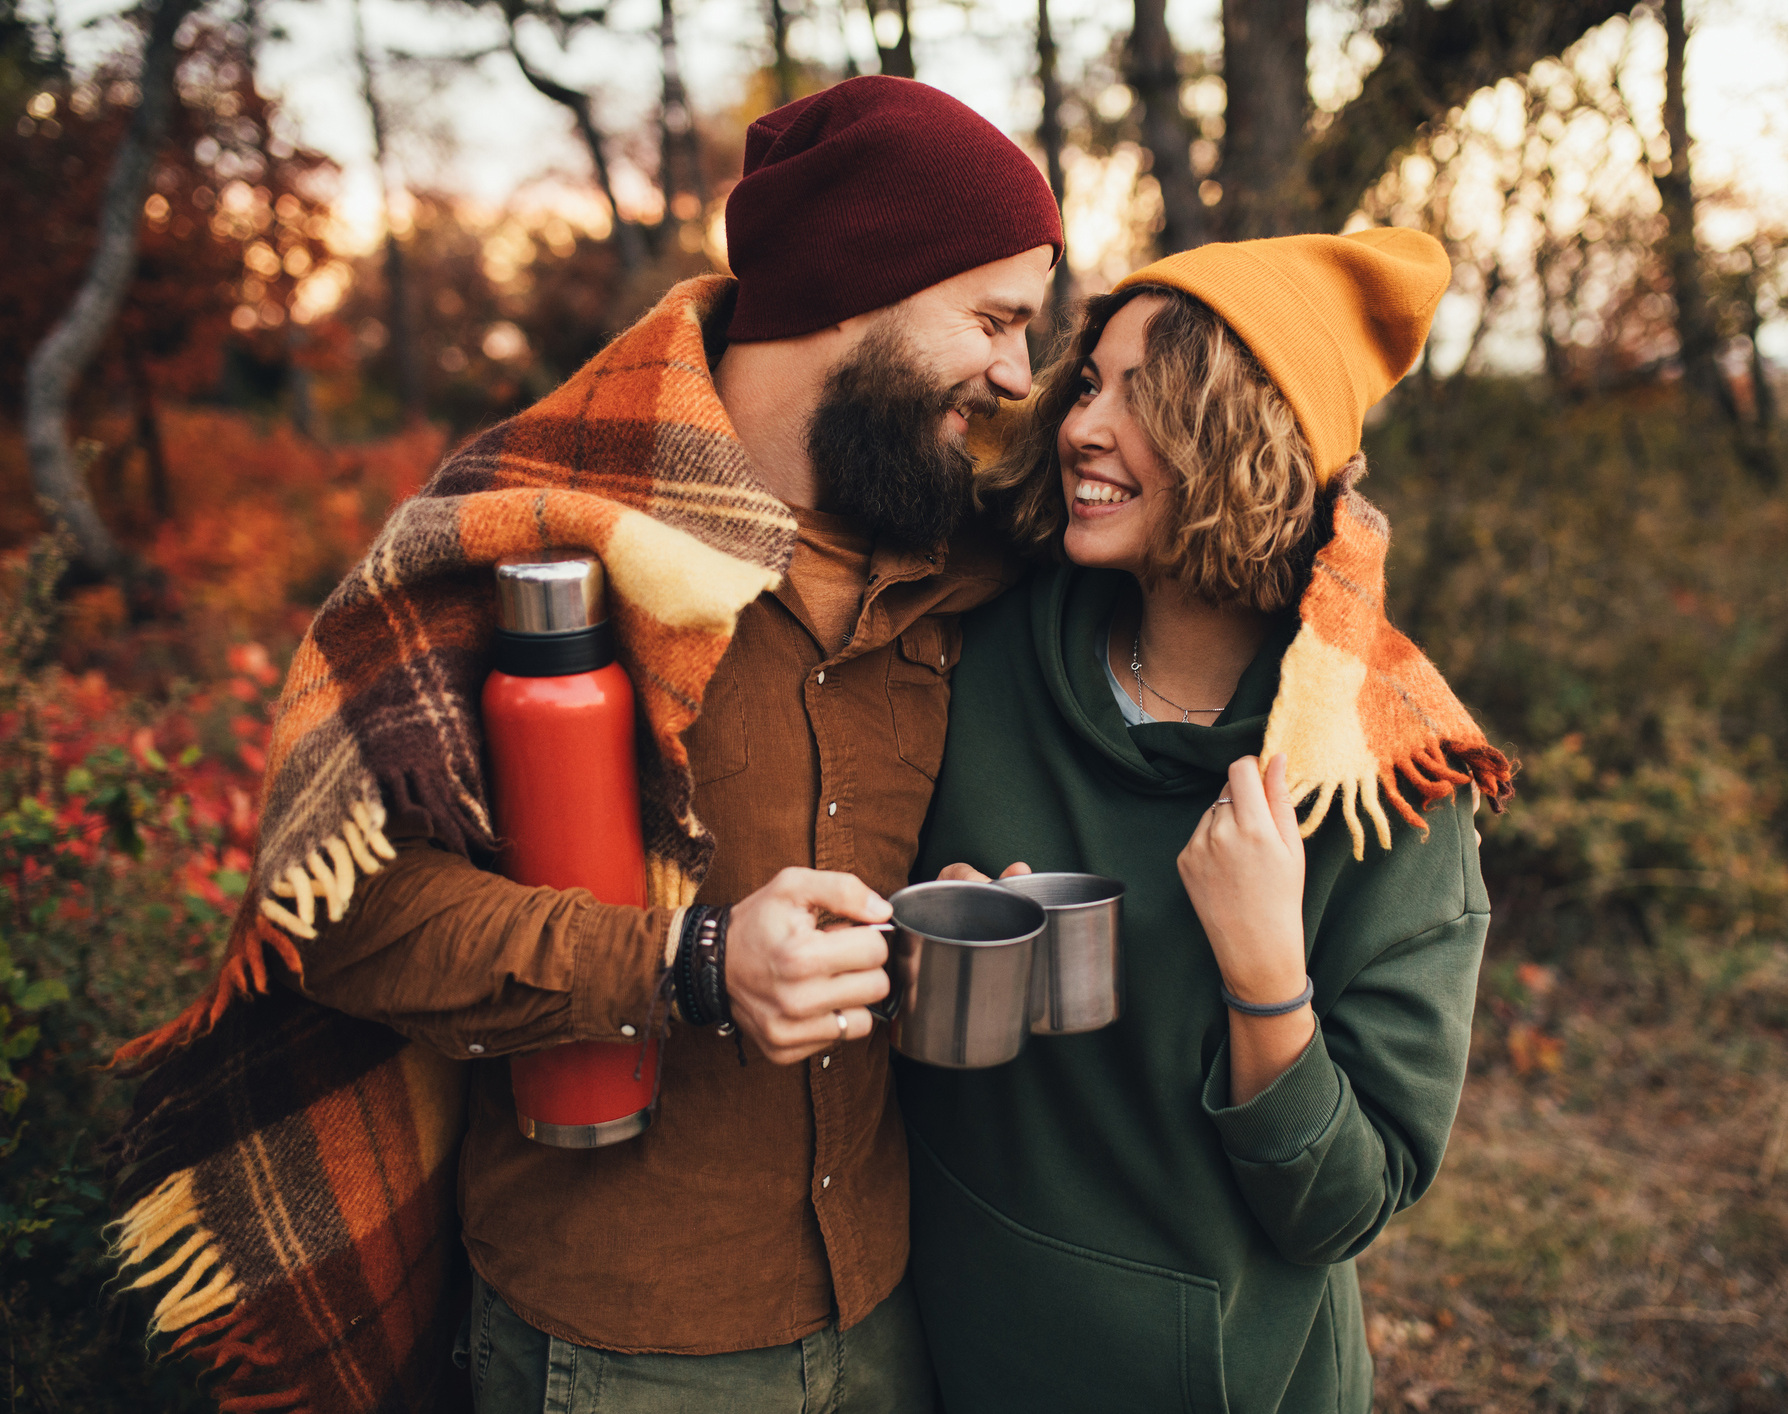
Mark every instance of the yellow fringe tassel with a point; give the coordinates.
(170, 1209)
(359, 845)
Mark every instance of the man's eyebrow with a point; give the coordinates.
(1010, 309)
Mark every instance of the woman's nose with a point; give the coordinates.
(1088, 428)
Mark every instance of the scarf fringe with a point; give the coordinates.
(1427, 771)
(264, 925)
(200, 1307)
(358, 847)
(170, 1209)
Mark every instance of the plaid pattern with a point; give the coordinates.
(289, 1171)
(1360, 710)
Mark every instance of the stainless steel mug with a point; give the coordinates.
(960, 958)
(1077, 968)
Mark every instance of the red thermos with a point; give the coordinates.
(558, 732)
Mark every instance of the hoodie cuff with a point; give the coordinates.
(1284, 1119)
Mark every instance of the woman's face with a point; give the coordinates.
(1114, 482)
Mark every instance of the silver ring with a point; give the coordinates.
(843, 1025)
(1221, 800)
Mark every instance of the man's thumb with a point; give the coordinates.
(845, 895)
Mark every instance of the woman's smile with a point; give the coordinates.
(1096, 498)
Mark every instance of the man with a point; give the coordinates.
(747, 1250)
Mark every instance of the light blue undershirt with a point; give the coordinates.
(1134, 716)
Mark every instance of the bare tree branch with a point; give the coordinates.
(57, 363)
(629, 241)
(1435, 59)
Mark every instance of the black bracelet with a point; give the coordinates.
(710, 968)
(1235, 1003)
(723, 1005)
(689, 1001)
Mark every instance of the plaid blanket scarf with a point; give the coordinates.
(288, 1175)
(1361, 713)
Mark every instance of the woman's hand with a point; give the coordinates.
(967, 873)
(1244, 872)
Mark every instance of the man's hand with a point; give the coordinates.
(789, 982)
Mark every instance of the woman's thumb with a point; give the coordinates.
(1285, 814)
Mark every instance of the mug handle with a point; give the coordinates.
(889, 1006)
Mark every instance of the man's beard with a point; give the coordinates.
(878, 444)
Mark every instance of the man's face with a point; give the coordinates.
(887, 438)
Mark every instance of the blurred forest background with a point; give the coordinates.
(226, 355)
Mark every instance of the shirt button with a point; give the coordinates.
(628, 1031)
(832, 808)
(825, 1061)
(826, 1182)
(475, 1049)
(822, 677)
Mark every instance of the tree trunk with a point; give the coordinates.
(56, 365)
(148, 429)
(1265, 63)
(1697, 333)
(782, 66)
(1153, 69)
(397, 291)
(897, 58)
(630, 243)
(1049, 135)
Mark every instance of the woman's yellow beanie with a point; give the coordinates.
(1334, 320)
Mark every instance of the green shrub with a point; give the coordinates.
(114, 894)
(1602, 582)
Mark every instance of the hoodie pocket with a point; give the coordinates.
(1020, 1321)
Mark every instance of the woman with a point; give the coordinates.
(1164, 1214)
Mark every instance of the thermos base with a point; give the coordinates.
(586, 1136)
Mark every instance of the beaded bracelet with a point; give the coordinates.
(1235, 1003)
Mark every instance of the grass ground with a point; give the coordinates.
(1610, 1229)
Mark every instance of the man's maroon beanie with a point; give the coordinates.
(871, 191)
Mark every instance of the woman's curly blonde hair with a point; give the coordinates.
(1242, 520)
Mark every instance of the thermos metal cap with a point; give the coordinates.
(551, 596)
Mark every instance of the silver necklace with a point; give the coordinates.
(1142, 686)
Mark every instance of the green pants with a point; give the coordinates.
(878, 1366)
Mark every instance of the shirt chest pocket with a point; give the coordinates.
(919, 690)
(716, 739)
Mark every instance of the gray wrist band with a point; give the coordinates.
(1235, 1003)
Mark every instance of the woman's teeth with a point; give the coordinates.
(1101, 491)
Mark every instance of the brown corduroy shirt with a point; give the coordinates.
(763, 1201)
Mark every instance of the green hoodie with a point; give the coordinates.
(1095, 1226)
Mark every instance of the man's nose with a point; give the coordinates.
(1009, 375)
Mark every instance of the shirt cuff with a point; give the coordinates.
(619, 956)
(1284, 1119)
